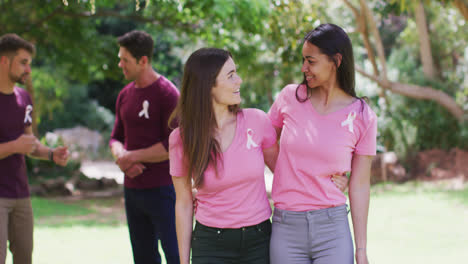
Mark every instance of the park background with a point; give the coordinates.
(412, 65)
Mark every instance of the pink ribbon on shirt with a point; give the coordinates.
(144, 111)
(349, 121)
(250, 142)
(27, 115)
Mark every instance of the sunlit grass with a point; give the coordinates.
(408, 223)
(418, 223)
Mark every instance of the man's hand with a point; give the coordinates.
(61, 155)
(125, 161)
(135, 170)
(25, 144)
(128, 164)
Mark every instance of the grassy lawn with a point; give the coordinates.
(418, 223)
(409, 223)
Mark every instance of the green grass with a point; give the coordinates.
(418, 223)
(408, 223)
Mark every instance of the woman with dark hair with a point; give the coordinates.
(324, 129)
(224, 149)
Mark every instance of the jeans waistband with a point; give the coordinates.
(312, 212)
(260, 226)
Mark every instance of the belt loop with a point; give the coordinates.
(329, 214)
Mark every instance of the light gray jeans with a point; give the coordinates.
(318, 237)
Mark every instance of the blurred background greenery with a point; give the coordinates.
(76, 78)
(412, 61)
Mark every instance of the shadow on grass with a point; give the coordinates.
(57, 213)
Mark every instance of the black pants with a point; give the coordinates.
(244, 245)
(151, 217)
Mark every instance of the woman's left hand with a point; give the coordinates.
(341, 181)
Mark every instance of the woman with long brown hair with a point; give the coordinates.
(223, 149)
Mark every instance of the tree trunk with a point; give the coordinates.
(420, 92)
(424, 42)
(462, 6)
(364, 30)
(378, 40)
(413, 91)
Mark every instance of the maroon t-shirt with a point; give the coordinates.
(15, 116)
(141, 116)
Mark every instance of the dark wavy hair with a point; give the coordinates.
(195, 112)
(332, 40)
(138, 43)
(11, 43)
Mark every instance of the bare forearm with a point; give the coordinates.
(6, 149)
(117, 149)
(270, 156)
(41, 152)
(184, 223)
(152, 154)
(359, 199)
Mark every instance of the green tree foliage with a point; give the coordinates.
(76, 59)
(408, 124)
(76, 40)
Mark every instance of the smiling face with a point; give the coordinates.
(19, 66)
(131, 68)
(319, 70)
(226, 92)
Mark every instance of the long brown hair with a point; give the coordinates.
(195, 112)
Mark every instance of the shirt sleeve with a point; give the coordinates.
(177, 166)
(118, 133)
(269, 133)
(275, 112)
(170, 99)
(367, 143)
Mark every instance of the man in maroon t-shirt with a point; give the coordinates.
(17, 140)
(139, 142)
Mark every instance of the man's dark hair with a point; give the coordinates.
(11, 43)
(138, 43)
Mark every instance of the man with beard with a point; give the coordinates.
(17, 140)
(139, 142)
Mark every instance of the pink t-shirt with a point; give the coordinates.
(237, 196)
(313, 147)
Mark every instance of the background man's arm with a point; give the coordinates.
(59, 155)
(24, 144)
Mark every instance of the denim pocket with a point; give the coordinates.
(338, 215)
(264, 229)
(205, 232)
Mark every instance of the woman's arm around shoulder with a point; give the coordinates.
(184, 216)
